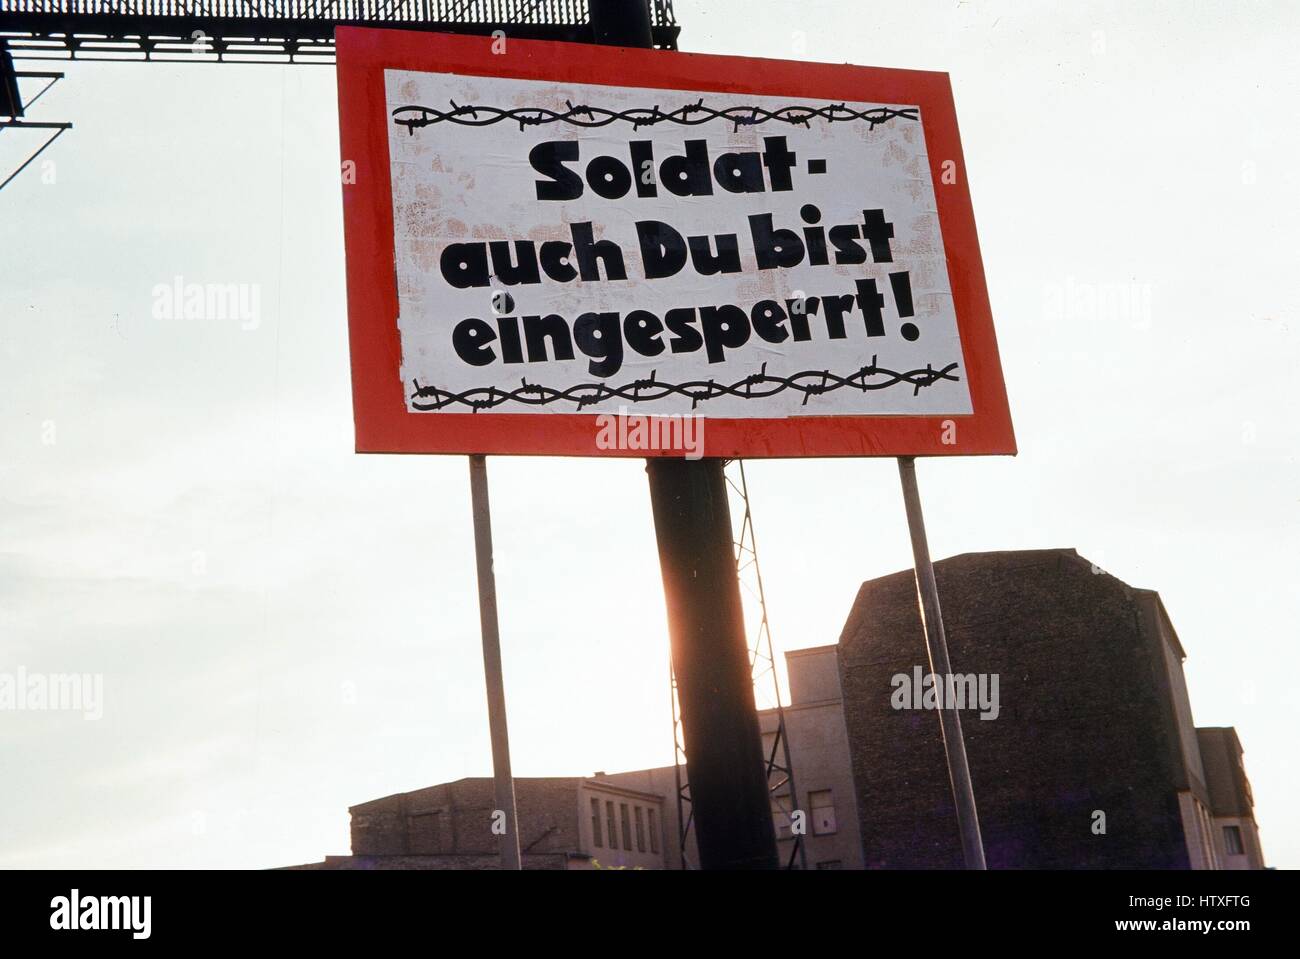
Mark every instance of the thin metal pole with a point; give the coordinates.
(496, 693)
(683, 822)
(26, 163)
(954, 746)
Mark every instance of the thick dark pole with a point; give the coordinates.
(724, 750)
(496, 692)
(11, 99)
(954, 745)
(620, 23)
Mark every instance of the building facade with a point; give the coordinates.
(823, 769)
(564, 823)
(626, 820)
(1232, 805)
(1082, 749)
(1076, 717)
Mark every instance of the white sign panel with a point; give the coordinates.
(570, 248)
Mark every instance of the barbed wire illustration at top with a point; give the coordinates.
(690, 114)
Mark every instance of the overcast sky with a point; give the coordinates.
(286, 628)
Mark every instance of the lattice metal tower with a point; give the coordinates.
(767, 688)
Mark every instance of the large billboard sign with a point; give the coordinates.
(546, 238)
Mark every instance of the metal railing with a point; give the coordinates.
(379, 11)
(292, 30)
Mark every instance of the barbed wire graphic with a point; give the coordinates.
(690, 114)
(754, 386)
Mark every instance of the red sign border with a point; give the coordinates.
(383, 423)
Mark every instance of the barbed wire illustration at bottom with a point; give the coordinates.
(752, 387)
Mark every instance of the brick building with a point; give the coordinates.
(1232, 805)
(626, 819)
(1093, 721)
(564, 822)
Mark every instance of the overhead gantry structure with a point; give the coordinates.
(293, 31)
(249, 31)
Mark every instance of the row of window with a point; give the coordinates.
(642, 819)
(821, 814)
(636, 823)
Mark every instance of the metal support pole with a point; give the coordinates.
(724, 751)
(496, 694)
(11, 98)
(621, 23)
(954, 746)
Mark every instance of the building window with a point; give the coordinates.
(780, 817)
(654, 831)
(1206, 832)
(627, 826)
(640, 829)
(1232, 840)
(823, 812)
(781, 823)
(595, 823)
(609, 821)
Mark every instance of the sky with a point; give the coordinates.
(285, 628)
